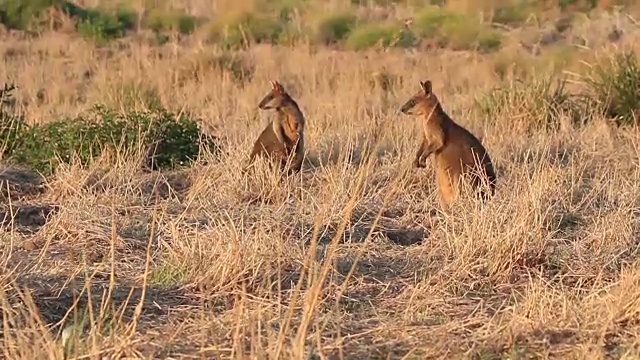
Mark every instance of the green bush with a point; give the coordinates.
(388, 34)
(103, 25)
(538, 103)
(335, 27)
(429, 21)
(162, 20)
(615, 88)
(167, 140)
(99, 24)
(455, 30)
(21, 14)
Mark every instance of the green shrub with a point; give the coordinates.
(615, 88)
(581, 5)
(387, 34)
(335, 27)
(99, 24)
(168, 141)
(455, 30)
(21, 14)
(102, 25)
(429, 21)
(463, 34)
(538, 104)
(512, 14)
(163, 20)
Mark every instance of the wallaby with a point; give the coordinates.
(453, 149)
(283, 139)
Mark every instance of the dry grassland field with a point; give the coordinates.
(105, 257)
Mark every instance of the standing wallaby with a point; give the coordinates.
(454, 150)
(282, 140)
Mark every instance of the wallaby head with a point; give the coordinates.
(276, 98)
(422, 103)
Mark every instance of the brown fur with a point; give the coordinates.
(282, 140)
(453, 149)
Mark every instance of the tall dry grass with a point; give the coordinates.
(349, 259)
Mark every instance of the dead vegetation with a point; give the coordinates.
(348, 258)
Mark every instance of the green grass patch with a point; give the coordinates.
(168, 275)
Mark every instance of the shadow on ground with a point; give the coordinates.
(361, 225)
(155, 185)
(18, 183)
(353, 152)
(55, 296)
(26, 217)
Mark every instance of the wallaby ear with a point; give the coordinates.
(426, 86)
(279, 88)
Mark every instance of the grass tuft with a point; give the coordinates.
(615, 87)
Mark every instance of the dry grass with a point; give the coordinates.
(349, 259)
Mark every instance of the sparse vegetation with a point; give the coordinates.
(539, 103)
(349, 258)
